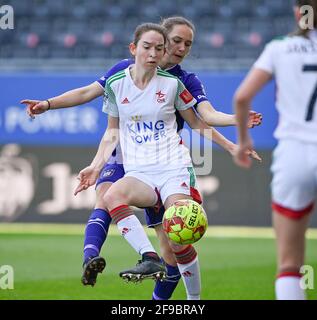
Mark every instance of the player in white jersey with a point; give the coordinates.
(142, 101)
(147, 136)
(292, 60)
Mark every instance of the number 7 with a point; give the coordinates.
(312, 102)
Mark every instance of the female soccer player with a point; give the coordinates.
(180, 36)
(293, 62)
(141, 104)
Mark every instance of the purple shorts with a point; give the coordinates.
(153, 217)
(110, 173)
(113, 172)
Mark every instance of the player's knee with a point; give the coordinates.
(114, 198)
(100, 193)
(178, 248)
(109, 200)
(168, 254)
(100, 203)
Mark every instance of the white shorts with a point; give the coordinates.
(170, 182)
(294, 184)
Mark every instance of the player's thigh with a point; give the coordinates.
(110, 173)
(131, 191)
(179, 184)
(293, 184)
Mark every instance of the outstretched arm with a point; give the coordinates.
(212, 134)
(216, 118)
(254, 81)
(68, 99)
(88, 176)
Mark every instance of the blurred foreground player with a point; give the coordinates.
(292, 60)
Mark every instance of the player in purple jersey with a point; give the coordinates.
(180, 34)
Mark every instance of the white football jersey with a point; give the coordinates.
(147, 120)
(293, 62)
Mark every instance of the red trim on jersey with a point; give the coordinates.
(289, 274)
(290, 213)
(194, 193)
(186, 96)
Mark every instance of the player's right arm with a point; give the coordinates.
(88, 176)
(260, 74)
(253, 83)
(68, 99)
(76, 96)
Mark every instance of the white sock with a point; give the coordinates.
(133, 231)
(191, 277)
(288, 288)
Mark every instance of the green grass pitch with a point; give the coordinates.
(236, 263)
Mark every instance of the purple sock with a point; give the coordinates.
(96, 233)
(164, 289)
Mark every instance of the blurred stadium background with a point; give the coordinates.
(59, 45)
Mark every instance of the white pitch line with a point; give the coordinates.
(78, 229)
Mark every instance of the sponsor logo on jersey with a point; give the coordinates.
(136, 118)
(160, 96)
(125, 101)
(186, 96)
(146, 131)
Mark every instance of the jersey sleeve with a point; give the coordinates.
(109, 102)
(184, 99)
(123, 64)
(266, 59)
(196, 88)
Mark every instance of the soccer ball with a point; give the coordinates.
(185, 222)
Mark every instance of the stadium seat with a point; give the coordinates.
(104, 28)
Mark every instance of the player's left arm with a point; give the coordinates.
(220, 119)
(212, 134)
(207, 111)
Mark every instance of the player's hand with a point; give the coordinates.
(87, 178)
(244, 153)
(255, 119)
(34, 107)
(253, 154)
